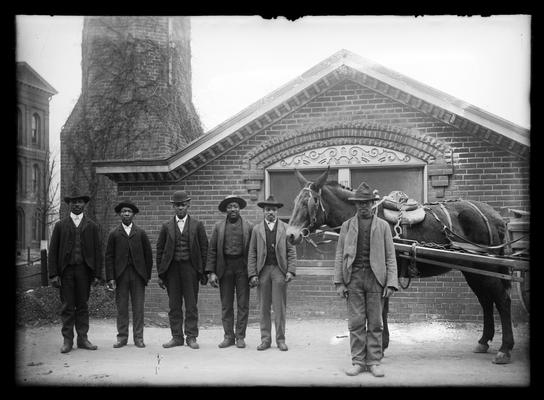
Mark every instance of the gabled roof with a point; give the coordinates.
(342, 65)
(27, 75)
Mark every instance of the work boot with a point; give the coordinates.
(120, 343)
(85, 344)
(66, 346)
(226, 343)
(173, 343)
(191, 342)
(376, 370)
(282, 346)
(139, 343)
(240, 343)
(263, 346)
(356, 369)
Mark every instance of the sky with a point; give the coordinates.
(484, 61)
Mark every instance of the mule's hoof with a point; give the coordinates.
(501, 358)
(481, 348)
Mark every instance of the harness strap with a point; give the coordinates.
(485, 219)
(447, 213)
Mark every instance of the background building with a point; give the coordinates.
(33, 96)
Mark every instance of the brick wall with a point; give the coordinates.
(481, 172)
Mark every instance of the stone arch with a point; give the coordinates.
(436, 154)
(405, 140)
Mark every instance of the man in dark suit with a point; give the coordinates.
(227, 268)
(129, 260)
(182, 249)
(271, 266)
(75, 262)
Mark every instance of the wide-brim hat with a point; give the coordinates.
(75, 195)
(364, 193)
(126, 203)
(180, 196)
(271, 202)
(231, 199)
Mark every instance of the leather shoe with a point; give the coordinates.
(240, 343)
(139, 343)
(119, 344)
(376, 370)
(282, 346)
(263, 346)
(173, 343)
(66, 347)
(192, 343)
(226, 343)
(356, 369)
(85, 344)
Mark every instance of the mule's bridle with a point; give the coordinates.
(312, 212)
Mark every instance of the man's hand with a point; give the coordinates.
(96, 281)
(388, 291)
(162, 284)
(288, 277)
(203, 278)
(213, 280)
(254, 281)
(55, 282)
(342, 290)
(111, 285)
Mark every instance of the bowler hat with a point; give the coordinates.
(231, 199)
(126, 203)
(363, 193)
(271, 202)
(75, 195)
(180, 196)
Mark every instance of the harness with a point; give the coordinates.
(312, 211)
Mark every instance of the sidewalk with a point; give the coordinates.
(420, 354)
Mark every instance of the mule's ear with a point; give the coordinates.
(319, 182)
(301, 179)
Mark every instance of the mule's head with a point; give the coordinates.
(308, 211)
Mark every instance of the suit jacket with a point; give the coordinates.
(198, 245)
(117, 252)
(286, 253)
(62, 241)
(216, 259)
(382, 252)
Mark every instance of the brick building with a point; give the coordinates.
(33, 96)
(368, 123)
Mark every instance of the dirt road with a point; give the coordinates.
(420, 354)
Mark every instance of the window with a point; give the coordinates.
(20, 228)
(35, 179)
(36, 228)
(20, 179)
(19, 126)
(36, 129)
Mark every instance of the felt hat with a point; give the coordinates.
(364, 193)
(75, 195)
(126, 203)
(231, 199)
(180, 196)
(271, 202)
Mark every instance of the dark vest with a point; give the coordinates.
(76, 256)
(182, 251)
(362, 258)
(130, 260)
(271, 244)
(233, 244)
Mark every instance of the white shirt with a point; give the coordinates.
(76, 218)
(127, 228)
(270, 224)
(181, 222)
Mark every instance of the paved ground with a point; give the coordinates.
(420, 354)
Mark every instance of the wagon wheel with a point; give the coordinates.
(523, 290)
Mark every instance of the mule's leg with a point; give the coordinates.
(385, 332)
(486, 301)
(504, 302)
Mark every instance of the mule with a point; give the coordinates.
(325, 203)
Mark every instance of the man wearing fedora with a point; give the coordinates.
(182, 249)
(271, 265)
(365, 274)
(75, 262)
(129, 260)
(227, 268)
